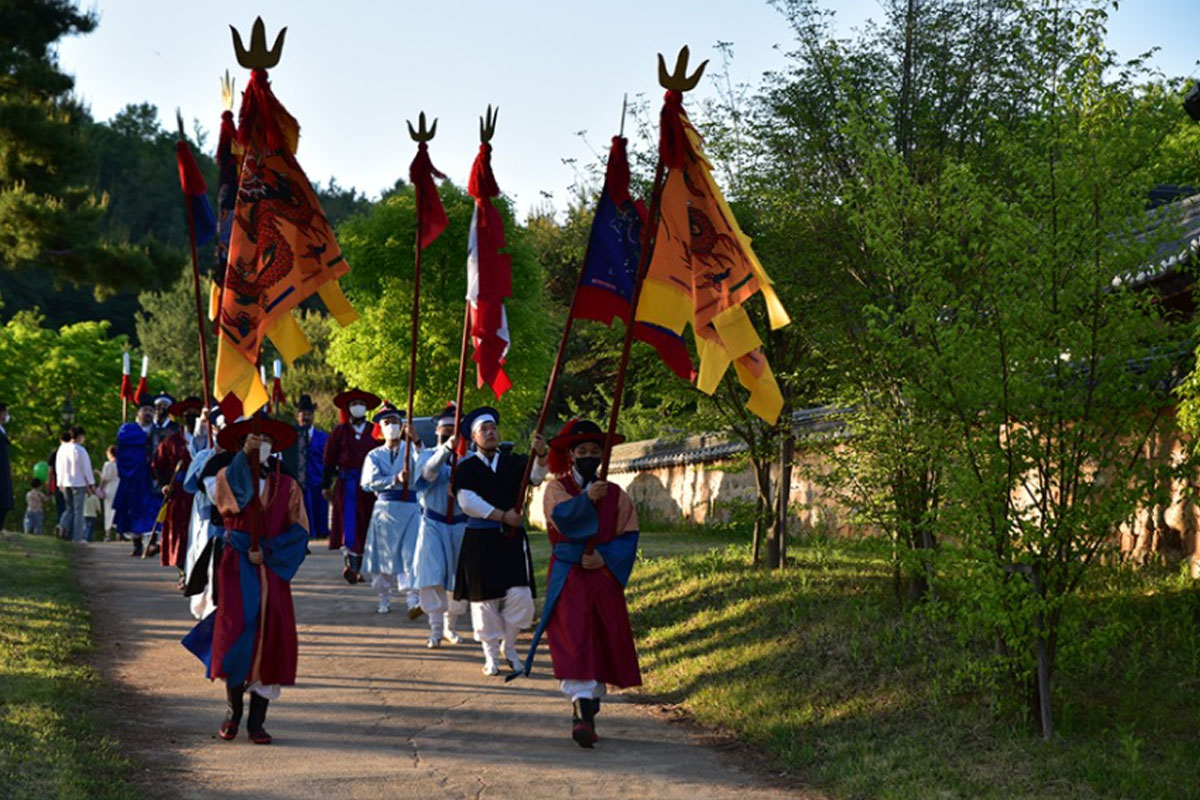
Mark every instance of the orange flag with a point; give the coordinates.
(281, 251)
(703, 270)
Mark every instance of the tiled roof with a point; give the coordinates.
(809, 423)
(1180, 249)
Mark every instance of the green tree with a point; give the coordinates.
(373, 352)
(51, 214)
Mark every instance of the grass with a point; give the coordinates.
(822, 669)
(51, 745)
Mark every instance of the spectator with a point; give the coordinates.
(6, 487)
(35, 502)
(110, 479)
(77, 480)
(60, 505)
(92, 511)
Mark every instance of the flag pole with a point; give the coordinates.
(680, 82)
(421, 136)
(191, 220)
(458, 404)
(562, 348)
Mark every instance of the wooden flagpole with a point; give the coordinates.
(678, 81)
(562, 349)
(191, 220)
(421, 135)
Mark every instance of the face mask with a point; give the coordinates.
(264, 451)
(391, 430)
(358, 410)
(443, 439)
(587, 467)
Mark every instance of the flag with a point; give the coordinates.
(126, 383)
(281, 250)
(489, 278)
(703, 270)
(204, 222)
(610, 269)
(430, 212)
(227, 186)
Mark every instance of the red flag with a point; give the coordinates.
(430, 213)
(489, 277)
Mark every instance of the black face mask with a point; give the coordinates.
(442, 439)
(587, 467)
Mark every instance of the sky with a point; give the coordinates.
(354, 71)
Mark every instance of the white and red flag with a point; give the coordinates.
(489, 278)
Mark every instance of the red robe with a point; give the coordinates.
(344, 456)
(270, 620)
(588, 630)
(173, 452)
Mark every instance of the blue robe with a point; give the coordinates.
(439, 540)
(135, 508)
(395, 517)
(310, 470)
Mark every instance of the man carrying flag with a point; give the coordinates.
(345, 453)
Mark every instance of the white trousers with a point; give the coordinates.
(497, 623)
(443, 611)
(386, 584)
(582, 690)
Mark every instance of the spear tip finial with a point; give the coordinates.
(257, 56)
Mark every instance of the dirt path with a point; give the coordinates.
(374, 713)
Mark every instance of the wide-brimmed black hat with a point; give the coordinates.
(305, 403)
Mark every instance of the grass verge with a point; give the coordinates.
(51, 744)
(822, 669)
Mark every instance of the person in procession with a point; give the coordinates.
(308, 465)
(254, 646)
(593, 528)
(396, 516)
(171, 461)
(206, 529)
(136, 504)
(345, 452)
(495, 568)
(439, 539)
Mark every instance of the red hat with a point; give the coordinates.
(179, 407)
(282, 434)
(575, 432)
(347, 397)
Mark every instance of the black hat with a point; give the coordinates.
(145, 400)
(388, 410)
(190, 403)
(305, 403)
(471, 417)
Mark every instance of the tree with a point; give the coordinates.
(373, 352)
(51, 216)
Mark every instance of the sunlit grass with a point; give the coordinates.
(50, 745)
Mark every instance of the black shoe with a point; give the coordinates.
(258, 715)
(234, 696)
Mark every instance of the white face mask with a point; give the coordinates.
(391, 430)
(357, 410)
(264, 451)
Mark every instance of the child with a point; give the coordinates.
(92, 510)
(35, 500)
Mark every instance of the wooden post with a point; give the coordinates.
(191, 220)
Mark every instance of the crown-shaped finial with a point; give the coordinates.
(227, 92)
(679, 81)
(487, 126)
(258, 56)
(422, 134)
